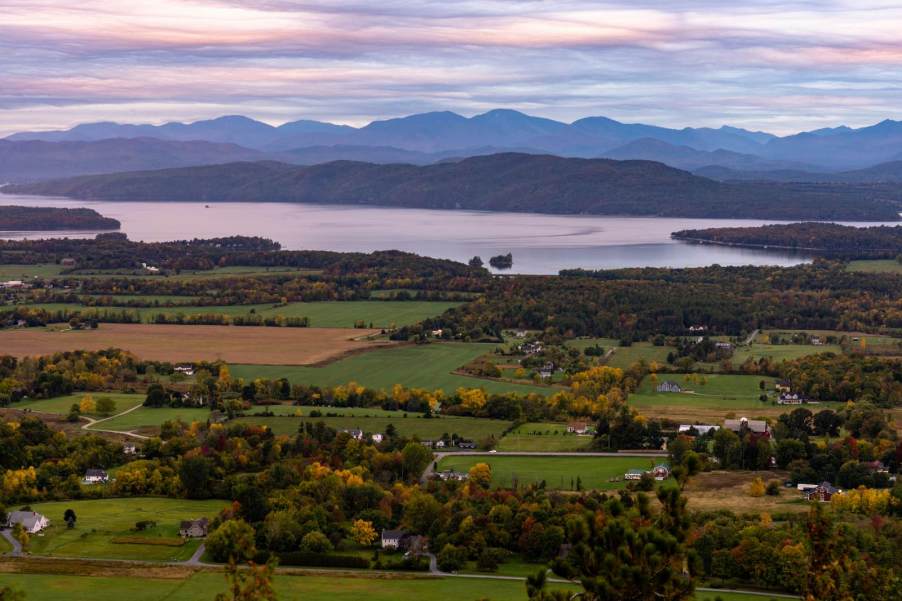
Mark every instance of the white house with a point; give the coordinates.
(702, 429)
(93, 476)
(30, 521)
(376, 437)
(391, 539)
(633, 474)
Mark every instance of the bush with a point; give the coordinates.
(323, 560)
(316, 542)
(773, 488)
(451, 558)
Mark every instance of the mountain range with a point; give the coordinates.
(427, 138)
(499, 182)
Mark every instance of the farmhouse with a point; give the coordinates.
(756, 426)
(30, 521)
(130, 448)
(578, 427)
(823, 492)
(669, 386)
(376, 437)
(194, 528)
(783, 386)
(392, 539)
(452, 475)
(633, 474)
(702, 429)
(790, 399)
(95, 476)
(355, 433)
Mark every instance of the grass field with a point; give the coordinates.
(469, 427)
(326, 314)
(101, 521)
(625, 356)
(725, 392)
(284, 346)
(876, 266)
(421, 366)
(27, 272)
(557, 472)
(147, 417)
(60, 405)
(781, 352)
(543, 437)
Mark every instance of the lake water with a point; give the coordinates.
(541, 244)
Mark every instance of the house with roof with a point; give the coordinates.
(701, 429)
(452, 475)
(31, 521)
(823, 492)
(96, 476)
(129, 448)
(376, 437)
(743, 424)
(355, 433)
(634, 474)
(194, 528)
(669, 386)
(392, 539)
(787, 398)
(578, 427)
(466, 444)
(660, 471)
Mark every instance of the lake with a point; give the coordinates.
(541, 244)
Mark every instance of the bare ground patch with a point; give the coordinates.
(254, 345)
(711, 491)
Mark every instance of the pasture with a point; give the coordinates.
(876, 266)
(325, 314)
(413, 425)
(427, 366)
(282, 346)
(708, 391)
(100, 522)
(780, 352)
(60, 405)
(153, 418)
(624, 356)
(28, 272)
(557, 472)
(543, 437)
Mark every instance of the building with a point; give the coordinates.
(377, 438)
(30, 521)
(723, 346)
(633, 474)
(578, 427)
(660, 472)
(185, 369)
(194, 528)
(452, 475)
(466, 444)
(67, 262)
(876, 467)
(355, 433)
(783, 386)
(392, 539)
(823, 492)
(94, 476)
(790, 399)
(129, 448)
(12, 284)
(757, 426)
(702, 429)
(669, 386)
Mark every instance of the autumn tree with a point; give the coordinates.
(363, 533)
(87, 404)
(480, 475)
(105, 405)
(232, 541)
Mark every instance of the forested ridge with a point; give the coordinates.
(14, 217)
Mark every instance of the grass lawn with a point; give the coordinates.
(721, 392)
(101, 521)
(148, 417)
(543, 437)
(469, 427)
(583, 343)
(876, 266)
(624, 356)
(416, 366)
(781, 352)
(205, 585)
(325, 314)
(27, 272)
(61, 404)
(557, 472)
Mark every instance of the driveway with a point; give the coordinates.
(8, 535)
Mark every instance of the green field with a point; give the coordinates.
(543, 437)
(27, 272)
(101, 521)
(720, 392)
(413, 425)
(780, 352)
(557, 472)
(876, 266)
(624, 356)
(147, 417)
(418, 366)
(325, 314)
(60, 405)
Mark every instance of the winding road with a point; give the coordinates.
(8, 535)
(93, 422)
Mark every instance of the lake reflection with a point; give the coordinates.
(541, 244)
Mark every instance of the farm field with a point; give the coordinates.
(153, 418)
(103, 520)
(781, 352)
(469, 427)
(718, 490)
(557, 472)
(27, 272)
(204, 585)
(624, 356)
(325, 314)
(284, 346)
(415, 366)
(876, 266)
(726, 392)
(60, 405)
(543, 437)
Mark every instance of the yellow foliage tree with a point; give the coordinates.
(757, 488)
(472, 399)
(363, 533)
(87, 404)
(480, 475)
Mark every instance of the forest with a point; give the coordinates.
(18, 218)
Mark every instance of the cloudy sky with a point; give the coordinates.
(781, 66)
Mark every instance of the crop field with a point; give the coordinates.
(325, 314)
(724, 392)
(543, 437)
(557, 472)
(150, 418)
(413, 425)
(876, 266)
(416, 366)
(624, 356)
(283, 346)
(102, 521)
(60, 405)
(204, 585)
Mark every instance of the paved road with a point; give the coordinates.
(751, 338)
(8, 535)
(437, 457)
(195, 559)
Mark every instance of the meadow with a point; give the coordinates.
(102, 521)
(543, 437)
(427, 366)
(726, 392)
(876, 266)
(557, 472)
(153, 418)
(780, 352)
(624, 356)
(413, 425)
(60, 405)
(27, 272)
(325, 314)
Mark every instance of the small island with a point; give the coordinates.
(502, 261)
(17, 218)
(829, 239)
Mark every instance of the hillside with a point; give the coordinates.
(500, 182)
(16, 218)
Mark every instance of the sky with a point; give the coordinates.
(779, 66)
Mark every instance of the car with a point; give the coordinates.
(493, 451)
